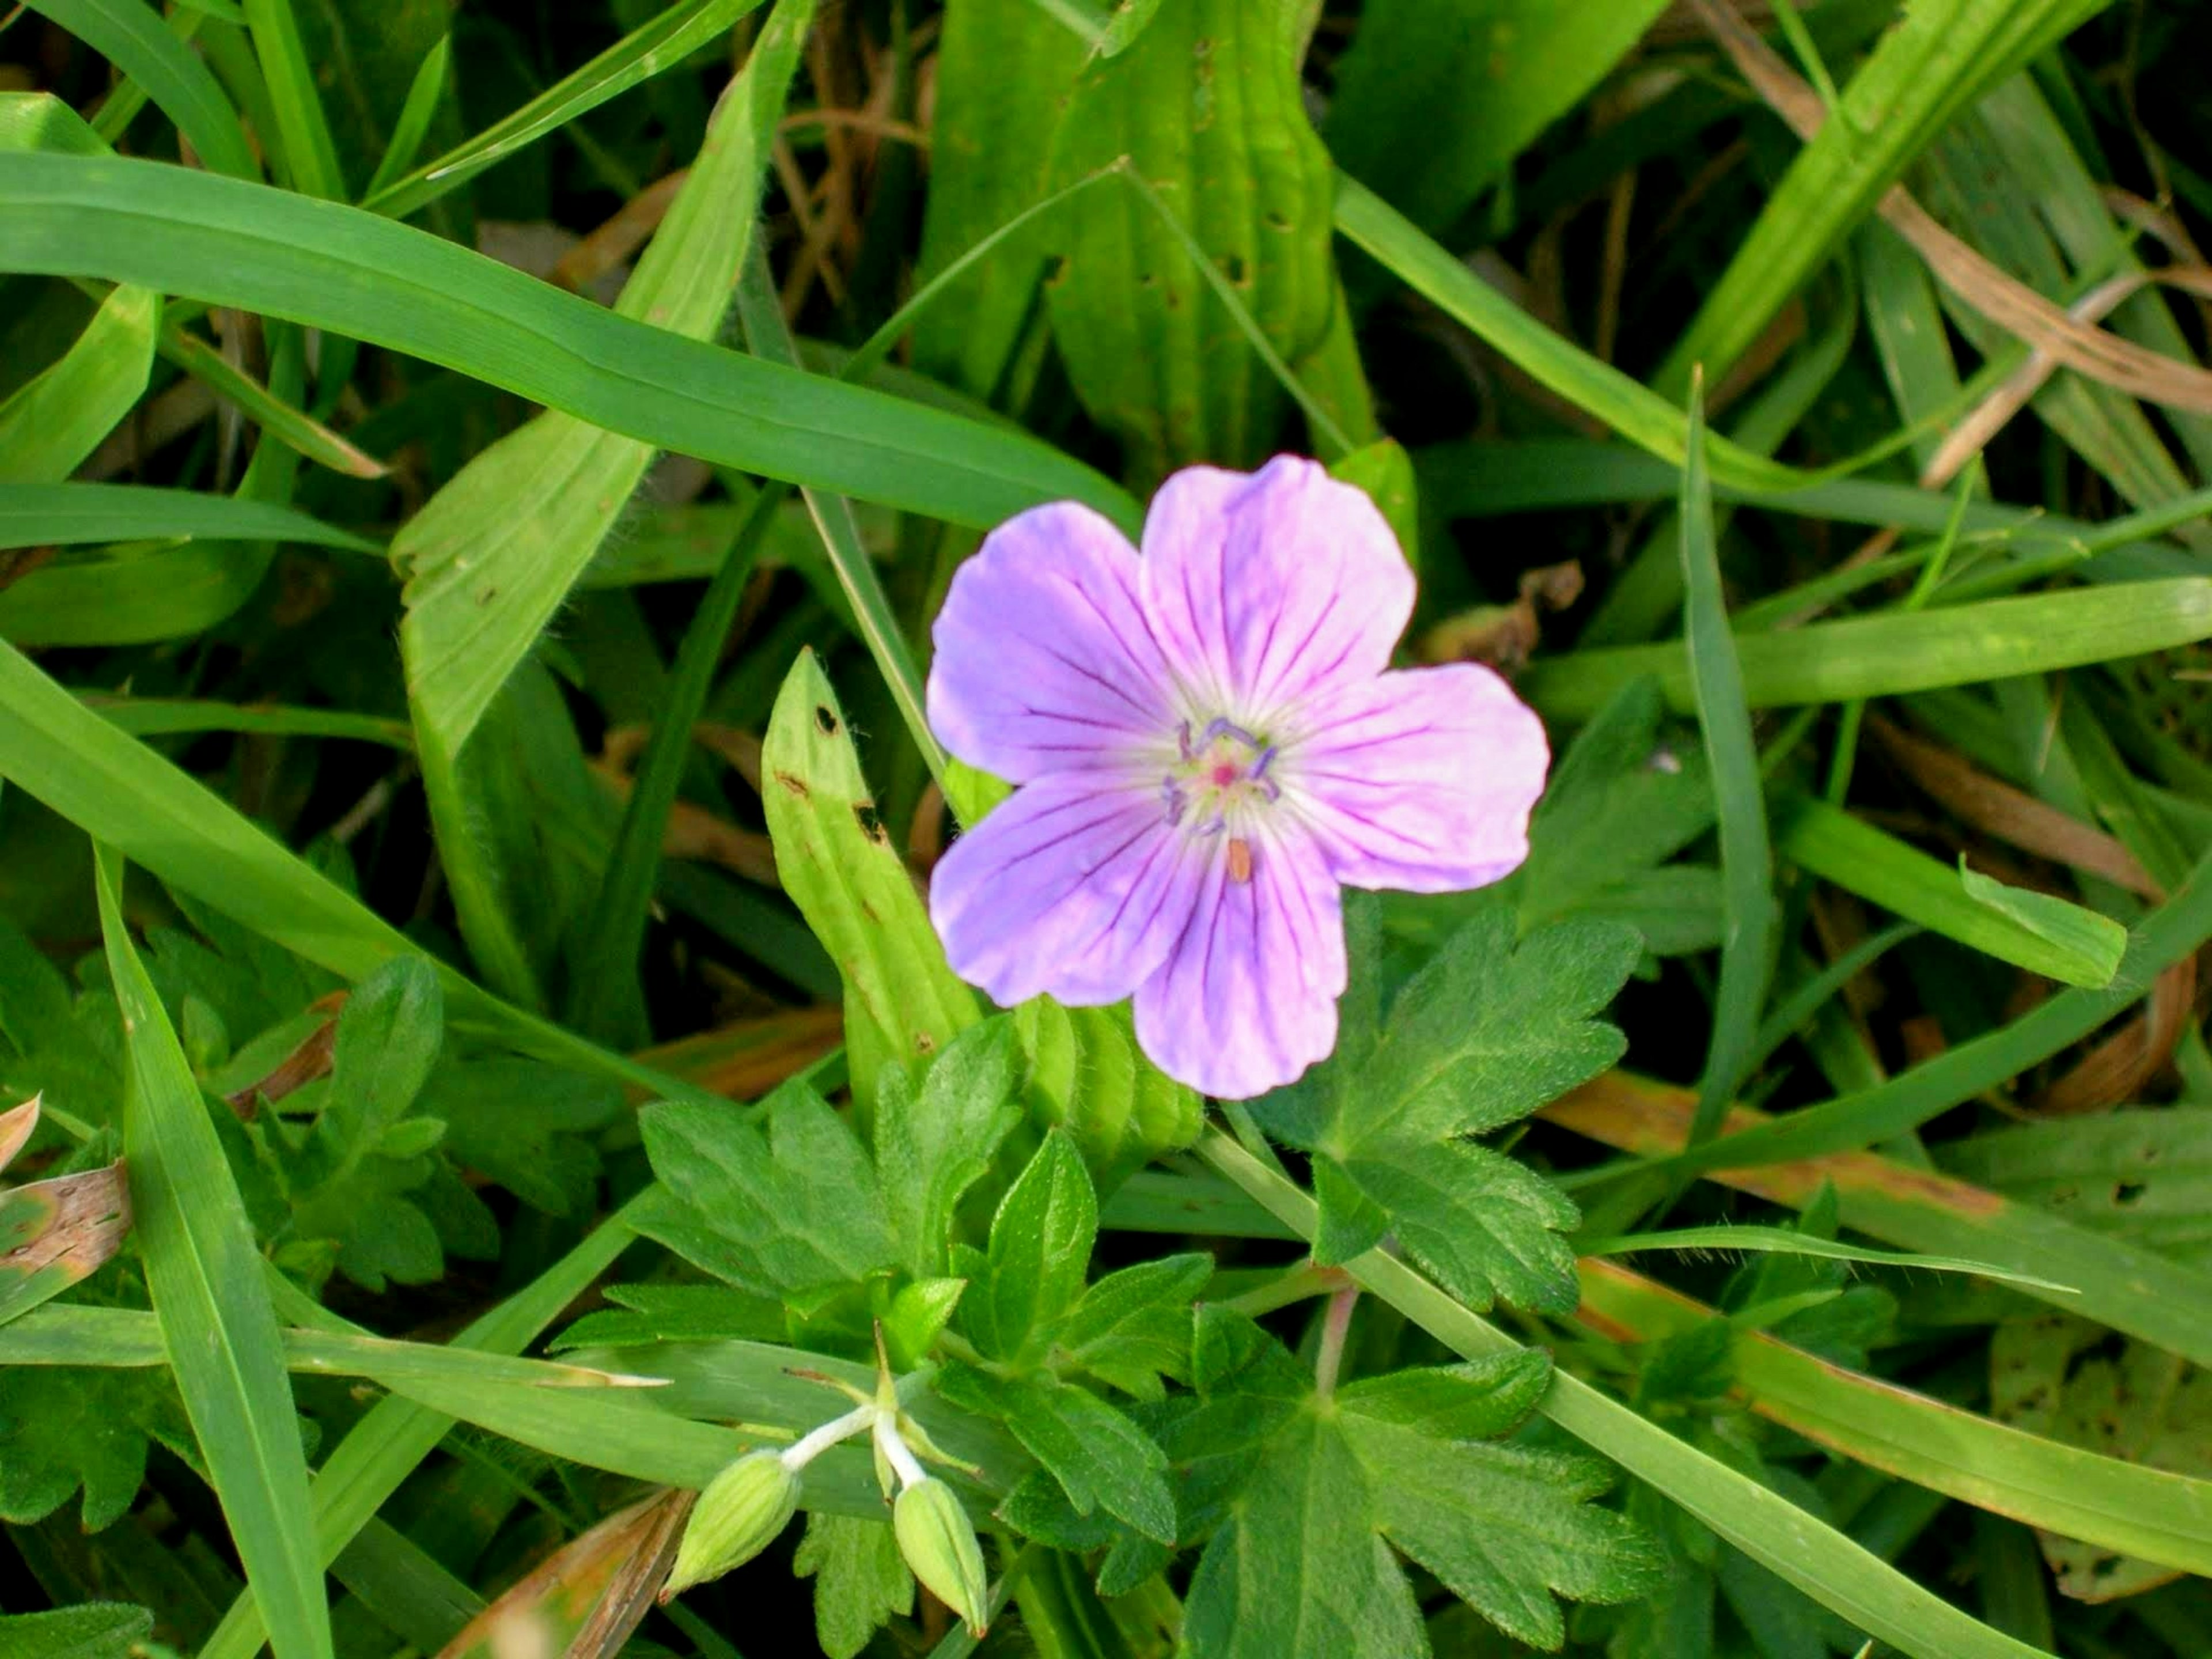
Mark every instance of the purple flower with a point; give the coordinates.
(1209, 742)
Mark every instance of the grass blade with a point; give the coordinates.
(2130, 1288)
(339, 268)
(1881, 656)
(130, 35)
(666, 40)
(1739, 793)
(51, 425)
(216, 1324)
(2074, 945)
(2139, 1511)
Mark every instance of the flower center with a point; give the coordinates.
(1218, 776)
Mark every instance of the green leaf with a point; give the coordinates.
(388, 1037)
(663, 42)
(1881, 656)
(56, 1232)
(1132, 1329)
(1622, 800)
(204, 1273)
(2142, 1174)
(1749, 910)
(934, 1141)
(2092, 943)
(1436, 97)
(526, 1125)
(1003, 67)
(39, 120)
(1087, 1075)
(796, 1209)
(62, 1428)
(1207, 105)
(51, 425)
(90, 1629)
(836, 862)
(860, 1580)
(2053, 1376)
(1039, 1255)
(2084, 949)
(1100, 1458)
(338, 268)
(132, 38)
(524, 518)
(1921, 73)
(1481, 1037)
(646, 1314)
(1403, 1461)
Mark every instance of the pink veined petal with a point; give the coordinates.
(1044, 661)
(1247, 999)
(1421, 779)
(1273, 587)
(1075, 886)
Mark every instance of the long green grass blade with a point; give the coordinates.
(380, 1451)
(1881, 656)
(339, 268)
(664, 41)
(215, 1323)
(130, 35)
(2142, 1512)
(1716, 686)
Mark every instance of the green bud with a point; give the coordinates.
(938, 1542)
(737, 1517)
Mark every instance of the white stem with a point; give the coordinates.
(797, 1455)
(887, 1437)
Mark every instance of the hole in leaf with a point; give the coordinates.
(825, 720)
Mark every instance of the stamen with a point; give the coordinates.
(1183, 739)
(1259, 766)
(1240, 859)
(1178, 802)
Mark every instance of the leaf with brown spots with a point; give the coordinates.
(53, 1233)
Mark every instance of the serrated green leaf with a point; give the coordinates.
(1039, 1255)
(2056, 1375)
(51, 425)
(388, 1037)
(796, 1207)
(1619, 801)
(1484, 1033)
(933, 1142)
(860, 1580)
(645, 1314)
(1208, 106)
(62, 1428)
(836, 862)
(1302, 1563)
(1132, 1327)
(90, 1629)
(1100, 1458)
(525, 1124)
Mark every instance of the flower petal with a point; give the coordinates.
(1247, 1000)
(1272, 587)
(1421, 779)
(1044, 661)
(1076, 886)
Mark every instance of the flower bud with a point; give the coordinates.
(737, 1516)
(938, 1542)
